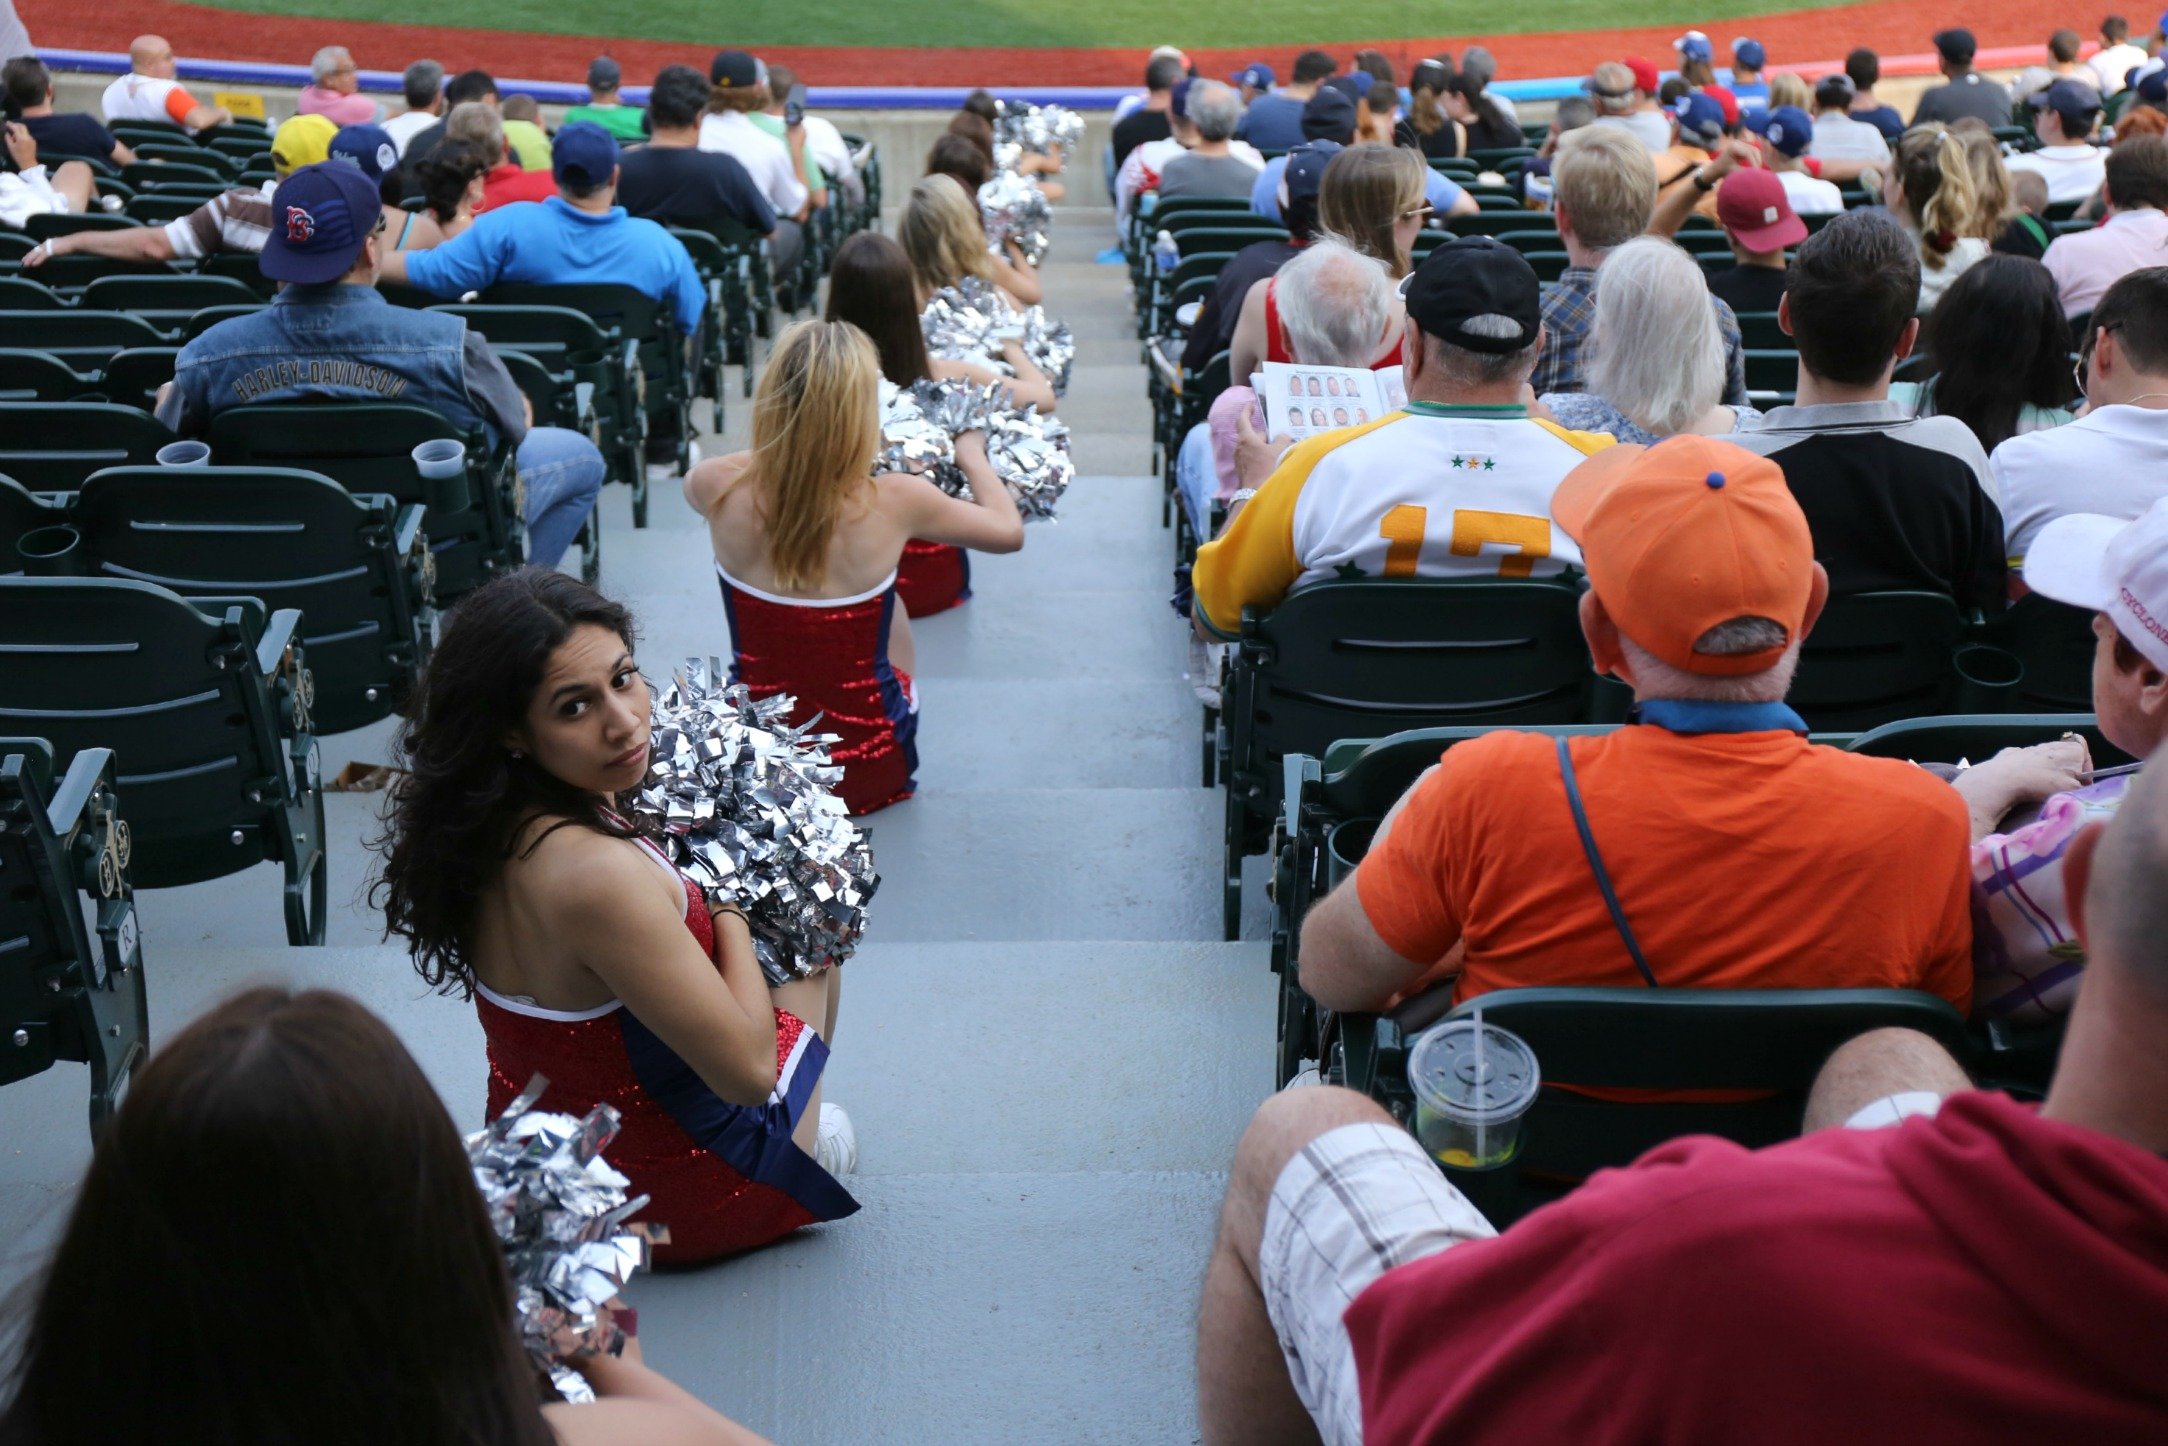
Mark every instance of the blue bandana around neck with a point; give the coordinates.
(1693, 715)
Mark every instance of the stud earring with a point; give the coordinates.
(515, 753)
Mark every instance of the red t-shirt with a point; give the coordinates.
(509, 182)
(1986, 1275)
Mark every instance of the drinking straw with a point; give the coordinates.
(1480, 1153)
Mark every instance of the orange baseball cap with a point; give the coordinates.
(1687, 534)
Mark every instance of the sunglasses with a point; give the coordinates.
(1420, 213)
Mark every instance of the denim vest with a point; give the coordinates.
(329, 343)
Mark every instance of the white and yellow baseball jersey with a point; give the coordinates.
(1432, 491)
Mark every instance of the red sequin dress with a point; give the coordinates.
(932, 577)
(831, 654)
(725, 1178)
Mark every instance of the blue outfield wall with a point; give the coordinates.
(833, 97)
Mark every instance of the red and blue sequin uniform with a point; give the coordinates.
(831, 654)
(932, 577)
(725, 1178)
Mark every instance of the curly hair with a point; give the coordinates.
(456, 814)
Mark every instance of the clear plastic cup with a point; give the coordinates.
(441, 459)
(1473, 1083)
(188, 453)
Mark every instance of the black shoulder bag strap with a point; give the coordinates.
(1595, 865)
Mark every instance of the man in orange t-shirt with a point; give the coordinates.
(1740, 855)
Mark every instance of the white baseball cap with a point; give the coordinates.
(2110, 565)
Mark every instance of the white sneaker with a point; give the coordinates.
(835, 1147)
(1305, 1078)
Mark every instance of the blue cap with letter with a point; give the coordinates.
(321, 217)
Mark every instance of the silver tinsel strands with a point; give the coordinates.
(558, 1209)
(970, 320)
(1029, 452)
(1045, 130)
(747, 807)
(1016, 210)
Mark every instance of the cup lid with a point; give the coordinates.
(1445, 1073)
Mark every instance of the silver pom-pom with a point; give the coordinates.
(1045, 130)
(1016, 210)
(1028, 452)
(968, 322)
(558, 1208)
(1050, 346)
(747, 807)
(911, 442)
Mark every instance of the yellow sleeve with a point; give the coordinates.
(1588, 444)
(1252, 563)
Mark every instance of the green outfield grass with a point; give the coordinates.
(1060, 23)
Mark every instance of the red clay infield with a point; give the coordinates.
(1893, 27)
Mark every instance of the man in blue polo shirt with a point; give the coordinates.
(578, 237)
(329, 335)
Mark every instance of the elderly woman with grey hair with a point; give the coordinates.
(334, 90)
(1656, 364)
(1216, 166)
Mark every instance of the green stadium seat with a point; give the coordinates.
(1771, 1042)
(665, 359)
(2054, 643)
(85, 340)
(71, 966)
(572, 347)
(44, 226)
(729, 312)
(1360, 659)
(20, 293)
(37, 376)
(193, 324)
(181, 294)
(52, 446)
(1758, 331)
(20, 512)
(204, 704)
(1876, 657)
(475, 531)
(356, 568)
(132, 378)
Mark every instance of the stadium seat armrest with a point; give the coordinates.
(74, 792)
(278, 636)
(1301, 771)
(408, 528)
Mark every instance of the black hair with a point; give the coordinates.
(1313, 65)
(1162, 73)
(2136, 310)
(1851, 288)
(24, 82)
(468, 85)
(1997, 342)
(455, 812)
(678, 96)
(445, 174)
(283, 1176)
(1864, 66)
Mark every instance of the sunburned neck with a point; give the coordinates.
(2113, 1077)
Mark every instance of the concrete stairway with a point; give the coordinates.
(1047, 1052)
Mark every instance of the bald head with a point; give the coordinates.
(151, 55)
(2125, 908)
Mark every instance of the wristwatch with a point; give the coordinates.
(1701, 180)
(1241, 496)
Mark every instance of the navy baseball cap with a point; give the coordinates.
(1470, 277)
(1256, 73)
(1700, 117)
(321, 217)
(1787, 128)
(583, 156)
(603, 74)
(369, 147)
(1178, 104)
(1305, 170)
(1956, 45)
(2150, 80)
(1748, 53)
(1329, 116)
(735, 70)
(1693, 45)
(2075, 101)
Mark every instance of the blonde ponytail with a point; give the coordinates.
(1935, 177)
(816, 431)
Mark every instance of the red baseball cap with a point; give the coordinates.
(1687, 534)
(1752, 206)
(1645, 76)
(1726, 102)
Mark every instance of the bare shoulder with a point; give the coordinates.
(623, 1422)
(566, 868)
(712, 478)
